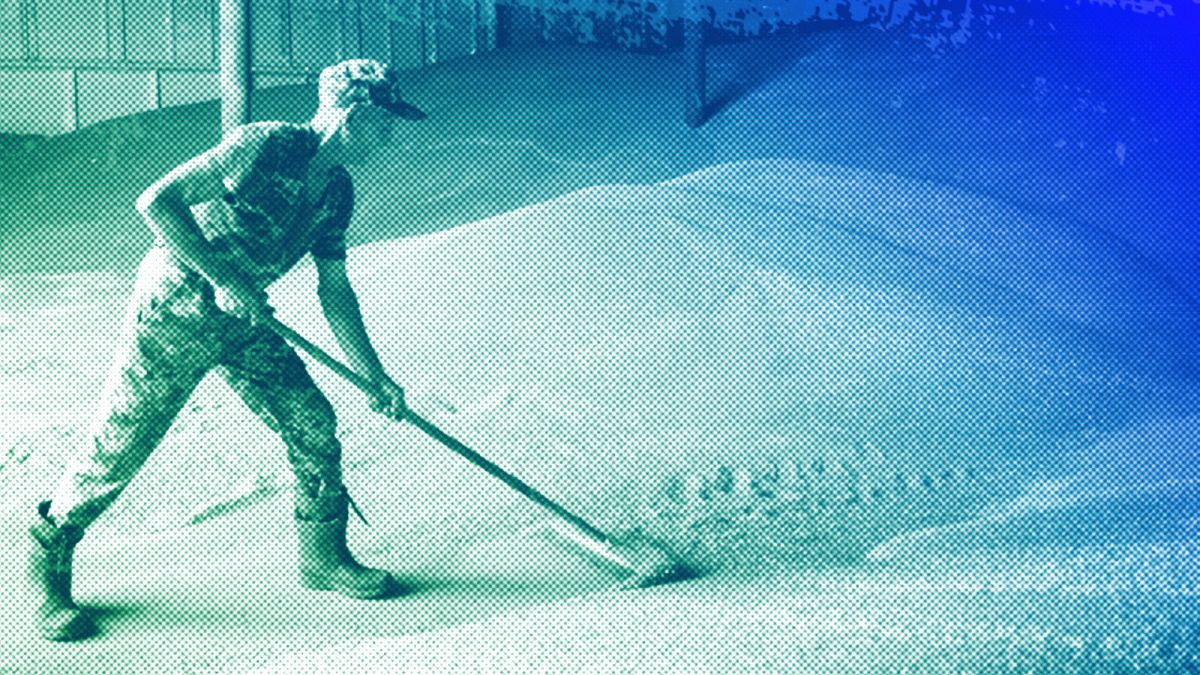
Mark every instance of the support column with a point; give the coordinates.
(73, 122)
(27, 18)
(235, 78)
(695, 24)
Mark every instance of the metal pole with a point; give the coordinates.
(361, 50)
(172, 33)
(75, 99)
(235, 78)
(341, 31)
(694, 28)
(124, 32)
(285, 22)
(25, 10)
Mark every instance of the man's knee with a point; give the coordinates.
(310, 418)
(320, 497)
(313, 447)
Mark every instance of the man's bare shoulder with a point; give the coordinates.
(243, 151)
(277, 139)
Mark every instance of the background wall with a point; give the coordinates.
(654, 25)
(65, 64)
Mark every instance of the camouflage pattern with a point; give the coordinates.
(262, 224)
(174, 333)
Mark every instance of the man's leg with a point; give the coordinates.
(144, 392)
(274, 383)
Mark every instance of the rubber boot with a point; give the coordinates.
(326, 563)
(50, 558)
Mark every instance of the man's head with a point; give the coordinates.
(358, 100)
(364, 81)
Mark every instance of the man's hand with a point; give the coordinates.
(244, 300)
(389, 399)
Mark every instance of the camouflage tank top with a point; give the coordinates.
(263, 224)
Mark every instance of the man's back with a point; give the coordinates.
(262, 223)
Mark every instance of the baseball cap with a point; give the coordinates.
(365, 81)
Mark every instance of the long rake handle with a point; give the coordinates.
(368, 388)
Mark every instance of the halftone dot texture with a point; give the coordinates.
(862, 350)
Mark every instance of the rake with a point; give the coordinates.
(643, 563)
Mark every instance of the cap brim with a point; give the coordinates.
(403, 110)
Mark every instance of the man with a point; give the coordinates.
(228, 223)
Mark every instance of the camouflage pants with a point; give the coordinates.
(173, 335)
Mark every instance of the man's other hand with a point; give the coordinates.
(243, 300)
(388, 399)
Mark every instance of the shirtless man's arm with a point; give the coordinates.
(165, 206)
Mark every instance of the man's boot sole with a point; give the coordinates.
(78, 628)
(384, 590)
